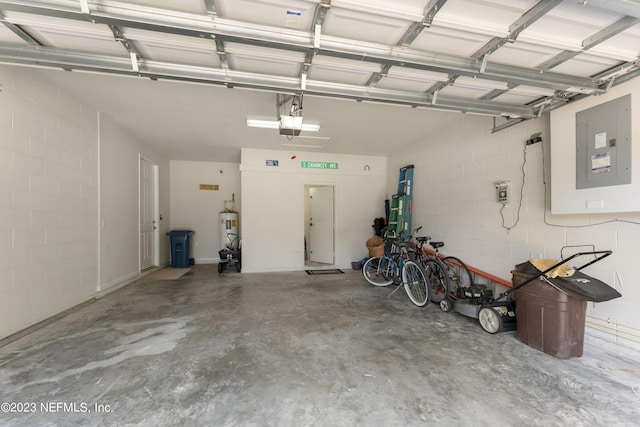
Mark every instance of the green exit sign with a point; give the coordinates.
(319, 165)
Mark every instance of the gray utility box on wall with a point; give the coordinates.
(603, 144)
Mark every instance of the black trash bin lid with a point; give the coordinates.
(579, 286)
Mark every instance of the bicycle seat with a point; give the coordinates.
(436, 245)
(423, 239)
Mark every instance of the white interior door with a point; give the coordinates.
(148, 224)
(321, 225)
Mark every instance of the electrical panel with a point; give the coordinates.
(603, 144)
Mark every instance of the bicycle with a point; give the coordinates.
(461, 280)
(449, 274)
(394, 266)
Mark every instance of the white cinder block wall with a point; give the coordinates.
(68, 201)
(455, 201)
(48, 200)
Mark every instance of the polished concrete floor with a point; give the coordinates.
(292, 349)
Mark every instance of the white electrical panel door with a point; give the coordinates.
(603, 144)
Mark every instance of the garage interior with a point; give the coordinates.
(122, 121)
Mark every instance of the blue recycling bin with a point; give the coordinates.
(180, 242)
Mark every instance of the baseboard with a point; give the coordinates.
(120, 282)
(41, 324)
(100, 292)
(207, 260)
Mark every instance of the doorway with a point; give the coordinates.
(319, 225)
(147, 212)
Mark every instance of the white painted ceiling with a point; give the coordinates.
(184, 75)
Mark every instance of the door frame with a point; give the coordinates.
(156, 209)
(307, 211)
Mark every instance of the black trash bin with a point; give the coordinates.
(180, 242)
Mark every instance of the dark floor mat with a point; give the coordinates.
(332, 271)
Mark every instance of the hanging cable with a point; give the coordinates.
(524, 163)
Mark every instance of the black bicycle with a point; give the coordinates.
(449, 275)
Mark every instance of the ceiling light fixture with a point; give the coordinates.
(288, 144)
(275, 124)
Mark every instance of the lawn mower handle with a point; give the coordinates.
(599, 255)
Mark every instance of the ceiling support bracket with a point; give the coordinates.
(19, 31)
(134, 54)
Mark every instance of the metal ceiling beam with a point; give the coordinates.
(510, 122)
(527, 18)
(134, 53)
(494, 94)
(606, 79)
(417, 59)
(619, 71)
(321, 13)
(430, 11)
(606, 33)
(301, 41)
(210, 5)
(558, 59)
(222, 55)
(411, 34)
(531, 16)
(212, 11)
(377, 76)
(19, 31)
(119, 36)
(597, 38)
(316, 28)
(621, 7)
(441, 85)
(75, 60)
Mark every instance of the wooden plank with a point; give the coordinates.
(478, 272)
(213, 187)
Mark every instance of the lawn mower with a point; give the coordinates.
(497, 314)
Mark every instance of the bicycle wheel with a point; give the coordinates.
(379, 271)
(459, 275)
(415, 283)
(437, 279)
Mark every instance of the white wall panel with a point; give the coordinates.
(119, 200)
(272, 217)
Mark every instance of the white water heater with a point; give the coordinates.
(229, 237)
